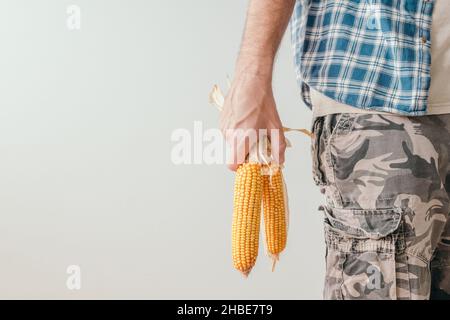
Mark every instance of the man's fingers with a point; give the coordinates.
(239, 142)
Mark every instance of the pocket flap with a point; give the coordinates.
(364, 223)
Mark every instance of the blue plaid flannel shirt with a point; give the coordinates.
(369, 54)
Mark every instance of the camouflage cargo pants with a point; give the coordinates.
(386, 180)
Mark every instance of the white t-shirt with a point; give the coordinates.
(439, 98)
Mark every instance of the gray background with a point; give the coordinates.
(86, 176)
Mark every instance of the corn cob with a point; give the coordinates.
(275, 215)
(246, 216)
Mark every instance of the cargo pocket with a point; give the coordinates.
(364, 249)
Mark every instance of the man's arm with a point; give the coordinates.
(266, 23)
(250, 103)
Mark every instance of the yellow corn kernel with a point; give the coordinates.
(246, 216)
(275, 215)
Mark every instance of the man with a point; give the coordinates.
(375, 73)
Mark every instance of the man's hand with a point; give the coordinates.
(250, 104)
